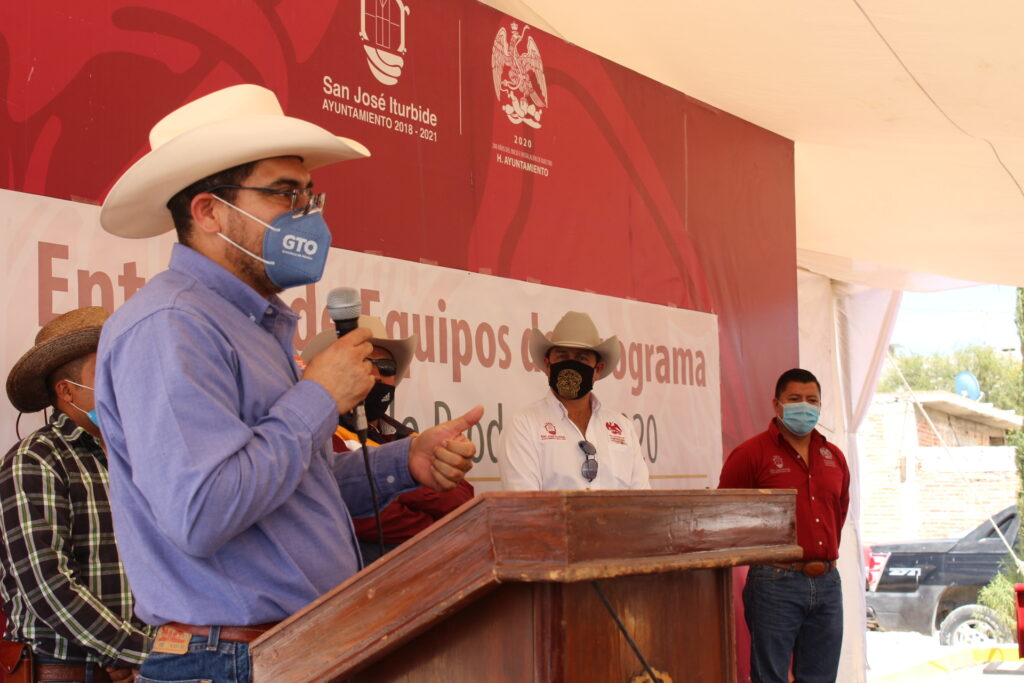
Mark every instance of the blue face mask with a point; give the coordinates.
(800, 418)
(295, 246)
(91, 414)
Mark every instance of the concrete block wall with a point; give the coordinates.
(913, 490)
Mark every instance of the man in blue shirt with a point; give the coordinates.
(231, 510)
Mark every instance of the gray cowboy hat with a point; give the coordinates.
(400, 349)
(575, 331)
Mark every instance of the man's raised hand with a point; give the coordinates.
(440, 457)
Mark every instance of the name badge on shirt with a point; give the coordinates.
(171, 641)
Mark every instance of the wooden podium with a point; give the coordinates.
(501, 590)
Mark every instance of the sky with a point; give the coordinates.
(941, 322)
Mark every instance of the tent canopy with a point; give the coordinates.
(907, 118)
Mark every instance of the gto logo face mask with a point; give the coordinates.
(295, 246)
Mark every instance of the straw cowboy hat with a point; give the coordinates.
(400, 349)
(575, 331)
(224, 129)
(63, 339)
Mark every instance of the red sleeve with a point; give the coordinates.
(437, 504)
(738, 469)
(844, 496)
(398, 522)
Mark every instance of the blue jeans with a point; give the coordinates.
(795, 618)
(208, 659)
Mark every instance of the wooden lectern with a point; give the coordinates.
(501, 590)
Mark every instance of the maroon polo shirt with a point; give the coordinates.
(767, 461)
(409, 513)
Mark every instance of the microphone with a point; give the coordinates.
(343, 306)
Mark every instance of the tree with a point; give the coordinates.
(999, 374)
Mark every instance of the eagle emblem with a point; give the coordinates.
(519, 76)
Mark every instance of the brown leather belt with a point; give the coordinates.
(68, 672)
(238, 634)
(811, 568)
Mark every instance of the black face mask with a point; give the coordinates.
(377, 401)
(571, 379)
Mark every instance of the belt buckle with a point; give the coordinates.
(815, 568)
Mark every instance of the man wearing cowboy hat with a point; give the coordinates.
(567, 439)
(63, 586)
(231, 511)
(411, 512)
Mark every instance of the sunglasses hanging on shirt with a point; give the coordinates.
(589, 469)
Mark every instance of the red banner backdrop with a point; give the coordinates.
(496, 148)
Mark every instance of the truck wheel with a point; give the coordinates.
(972, 625)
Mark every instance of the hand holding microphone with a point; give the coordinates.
(341, 368)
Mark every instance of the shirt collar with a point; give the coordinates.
(191, 263)
(67, 428)
(595, 404)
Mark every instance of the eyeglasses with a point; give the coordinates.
(387, 367)
(304, 198)
(589, 469)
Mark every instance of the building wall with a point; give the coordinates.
(911, 488)
(954, 430)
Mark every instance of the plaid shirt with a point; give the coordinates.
(63, 586)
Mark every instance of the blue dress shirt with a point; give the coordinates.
(229, 505)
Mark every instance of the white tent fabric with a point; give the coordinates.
(844, 336)
(907, 118)
(908, 127)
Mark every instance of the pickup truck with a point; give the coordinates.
(929, 586)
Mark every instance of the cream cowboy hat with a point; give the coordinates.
(400, 349)
(224, 129)
(575, 331)
(62, 340)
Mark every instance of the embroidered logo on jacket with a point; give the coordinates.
(614, 433)
(779, 464)
(552, 433)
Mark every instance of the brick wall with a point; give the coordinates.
(955, 430)
(910, 489)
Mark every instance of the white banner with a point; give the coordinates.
(473, 334)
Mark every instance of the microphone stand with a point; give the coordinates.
(361, 429)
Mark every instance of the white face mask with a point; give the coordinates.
(91, 414)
